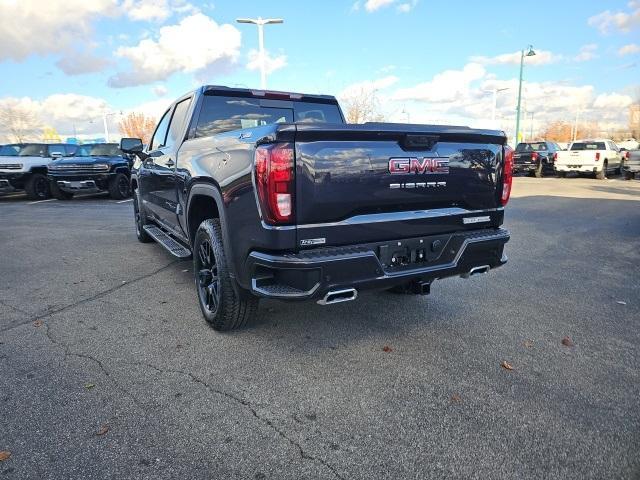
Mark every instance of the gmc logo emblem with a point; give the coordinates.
(403, 166)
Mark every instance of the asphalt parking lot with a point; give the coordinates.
(109, 371)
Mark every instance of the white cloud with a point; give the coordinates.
(195, 44)
(612, 101)
(630, 49)
(373, 5)
(586, 53)
(406, 7)
(542, 57)
(447, 86)
(368, 86)
(43, 27)
(271, 63)
(609, 21)
(160, 90)
(65, 113)
(154, 10)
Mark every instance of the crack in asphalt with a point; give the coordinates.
(68, 353)
(241, 401)
(82, 301)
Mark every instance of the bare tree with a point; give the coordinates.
(362, 106)
(138, 125)
(20, 124)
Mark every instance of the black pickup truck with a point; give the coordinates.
(93, 167)
(277, 197)
(535, 158)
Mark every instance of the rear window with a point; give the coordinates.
(223, 114)
(9, 150)
(588, 146)
(531, 147)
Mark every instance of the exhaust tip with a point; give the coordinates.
(476, 271)
(337, 296)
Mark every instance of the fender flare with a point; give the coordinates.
(211, 191)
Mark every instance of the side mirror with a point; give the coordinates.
(131, 145)
(56, 155)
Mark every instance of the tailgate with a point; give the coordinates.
(360, 183)
(576, 157)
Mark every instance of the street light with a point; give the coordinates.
(495, 100)
(261, 22)
(529, 53)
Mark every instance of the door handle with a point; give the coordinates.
(170, 163)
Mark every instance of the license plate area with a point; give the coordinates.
(413, 252)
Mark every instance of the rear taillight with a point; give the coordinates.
(597, 156)
(275, 181)
(507, 175)
(534, 156)
(555, 156)
(627, 154)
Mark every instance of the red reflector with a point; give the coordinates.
(275, 177)
(597, 156)
(507, 175)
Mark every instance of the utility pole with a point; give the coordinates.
(261, 22)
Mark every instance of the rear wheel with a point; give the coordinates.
(628, 175)
(140, 219)
(538, 171)
(562, 174)
(119, 187)
(37, 187)
(619, 169)
(224, 304)
(59, 194)
(602, 174)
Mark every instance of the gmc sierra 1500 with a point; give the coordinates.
(277, 197)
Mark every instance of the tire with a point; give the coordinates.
(119, 187)
(619, 169)
(140, 219)
(562, 174)
(225, 306)
(538, 171)
(602, 174)
(37, 187)
(59, 194)
(628, 175)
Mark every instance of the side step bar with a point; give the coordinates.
(172, 246)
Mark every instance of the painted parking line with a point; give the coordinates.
(42, 201)
(125, 201)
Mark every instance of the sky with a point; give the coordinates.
(426, 61)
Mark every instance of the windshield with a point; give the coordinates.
(532, 147)
(588, 146)
(222, 114)
(99, 150)
(10, 150)
(33, 150)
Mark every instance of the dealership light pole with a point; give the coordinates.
(529, 53)
(261, 22)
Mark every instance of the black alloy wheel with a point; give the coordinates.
(208, 281)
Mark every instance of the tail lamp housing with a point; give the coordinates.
(507, 175)
(534, 156)
(597, 156)
(275, 182)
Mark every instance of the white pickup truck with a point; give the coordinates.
(24, 167)
(597, 157)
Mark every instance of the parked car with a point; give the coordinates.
(598, 157)
(631, 167)
(535, 158)
(24, 167)
(95, 167)
(277, 197)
